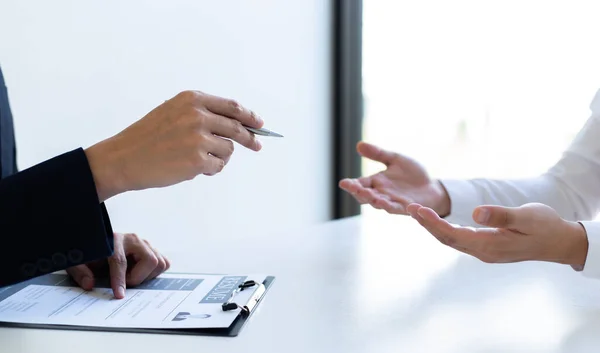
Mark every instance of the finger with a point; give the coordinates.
(366, 182)
(212, 165)
(83, 276)
(481, 240)
(145, 260)
(232, 109)
(167, 263)
(117, 265)
(233, 129)
(376, 153)
(413, 211)
(346, 184)
(220, 148)
(389, 206)
(499, 217)
(372, 196)
(162, 265)
(366, 194)
(441, 229)
(352, 187)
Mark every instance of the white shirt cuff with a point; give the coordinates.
(592, 261)
(463, 200)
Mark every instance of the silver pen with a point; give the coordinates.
(263, 132)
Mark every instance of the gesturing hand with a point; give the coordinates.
(403, 182)
(530, 232)
(188, 135)
(134, 261)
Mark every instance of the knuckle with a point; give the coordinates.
(188, 96)
(133, 237)
(237, 128)
(119, 259)
(152, 260)
(506, 218)
(234, 105)
(230, 148)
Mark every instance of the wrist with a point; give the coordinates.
(443, 205)
(103, 160)
(577, 245)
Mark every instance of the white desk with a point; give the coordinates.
(378, 284)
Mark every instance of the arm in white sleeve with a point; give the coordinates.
(571, 187)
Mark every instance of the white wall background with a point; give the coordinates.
(80, 71)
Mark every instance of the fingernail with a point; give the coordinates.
(87, 283)
(258, 144)
(121, 292)
(482, 216)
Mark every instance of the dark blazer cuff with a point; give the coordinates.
(52, 214)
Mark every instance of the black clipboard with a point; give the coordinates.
(232, 331)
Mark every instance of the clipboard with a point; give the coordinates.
(247, 310)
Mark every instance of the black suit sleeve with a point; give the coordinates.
(51, 219)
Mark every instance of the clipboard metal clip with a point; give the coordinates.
(254, 299)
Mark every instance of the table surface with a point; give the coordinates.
(374, 283)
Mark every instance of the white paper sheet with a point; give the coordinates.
(169, 301)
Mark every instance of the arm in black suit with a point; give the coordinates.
(50, 215)
(51, 219)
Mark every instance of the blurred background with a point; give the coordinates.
(473, 88)
(470, 88)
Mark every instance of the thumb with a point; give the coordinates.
(498, 216)
(376, 153)
(82, 275)
(117, 264)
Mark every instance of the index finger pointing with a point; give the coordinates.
(232, 109)
(118, 268)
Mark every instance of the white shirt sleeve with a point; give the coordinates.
(571, 187)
